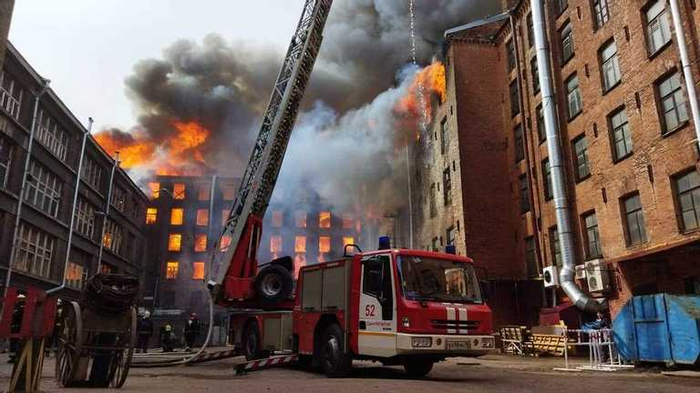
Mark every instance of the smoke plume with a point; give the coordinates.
(349, 130)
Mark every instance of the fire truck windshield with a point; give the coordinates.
(430, 279)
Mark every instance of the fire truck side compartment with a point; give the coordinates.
(277, 333)
(325, 288)
(312, 290)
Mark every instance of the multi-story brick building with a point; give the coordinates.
(185, 218)
(304, 226)
(629, 148)
(108, 235)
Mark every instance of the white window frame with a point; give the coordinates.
(10, 95)
(566, 38)
(573, 96)
(583, 168)
(43, 189)
(85, 218)
(114, 236)
(673, 103)
(34, 251)
(610, 65)
(91, 173)
(621, 135)
(658, 26)
(50, 134)
(601, 13)
(119, 198)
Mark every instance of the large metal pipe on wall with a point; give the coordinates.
(686, 64)
(561, 203)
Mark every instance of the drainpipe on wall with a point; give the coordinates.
(686, 64)
(534, 189)
(105, 213)
(20, 200)
(72, 215)
(561, 204)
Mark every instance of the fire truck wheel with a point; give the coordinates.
(273, 284)
(252, 348)
(335, 363)
(418, 367)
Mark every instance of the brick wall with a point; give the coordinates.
(494, 229)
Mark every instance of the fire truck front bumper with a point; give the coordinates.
(448, 345)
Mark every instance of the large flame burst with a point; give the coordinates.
(179, 155)
(428, 83)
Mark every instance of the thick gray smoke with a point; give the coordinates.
(351, 159)
(347, 129)
(369, 40)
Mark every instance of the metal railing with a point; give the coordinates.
(602, 353)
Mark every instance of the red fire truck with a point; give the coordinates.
(399, 307)
(395, 306)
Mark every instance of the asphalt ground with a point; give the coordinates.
(493, 373)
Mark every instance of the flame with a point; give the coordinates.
(300, 244)
(181, 154)
(428, 83)
(275, 246)
(299, 262)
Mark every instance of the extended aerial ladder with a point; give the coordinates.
(234, 266)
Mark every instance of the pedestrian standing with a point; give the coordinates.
(145, 331)
(191, 331)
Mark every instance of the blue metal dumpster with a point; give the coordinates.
(659, 328)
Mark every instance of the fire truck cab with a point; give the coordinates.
(398, 307)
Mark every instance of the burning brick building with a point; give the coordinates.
(42, 146)
(185, 218)
(311, 230)
(629, 152)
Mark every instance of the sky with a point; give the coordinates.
(88, 47)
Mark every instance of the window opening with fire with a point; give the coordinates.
(200, 243)
(198, 271)
(324, 220)
(202, 217)
(275, 245)
(178, 191)
(151, 216)
(174, 242)
(155, 190)
(171, 270)
(177, 216)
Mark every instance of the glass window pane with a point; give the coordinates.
(690, 220)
